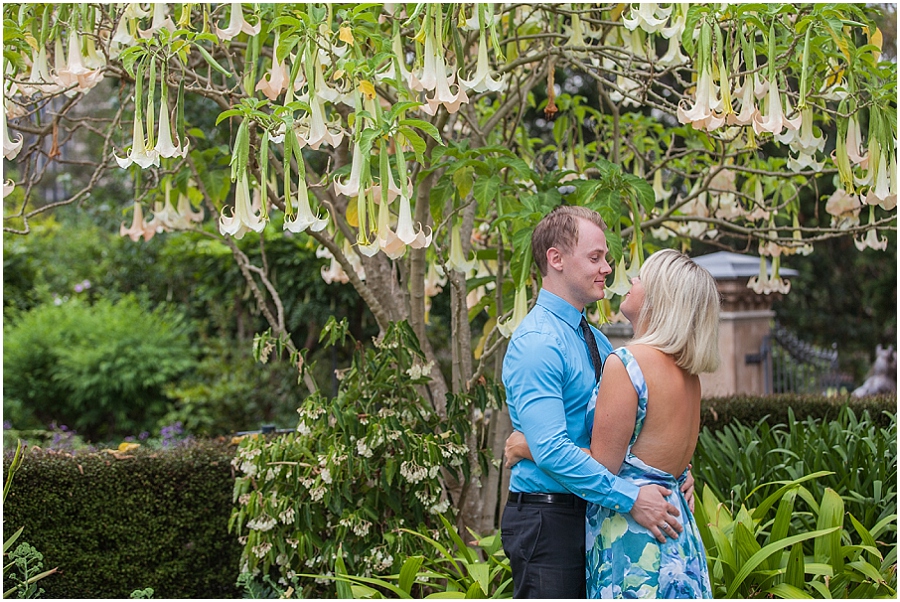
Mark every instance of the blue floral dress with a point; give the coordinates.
(624, 560)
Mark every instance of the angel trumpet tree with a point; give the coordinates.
(270, 89)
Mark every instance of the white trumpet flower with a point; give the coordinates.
(442, 94)
(351, 186)
(272, 83)
(304, 218)
(138, 226)
(457, 261)
(165, 147)
(646, 18)
(237, 24)
(884, 192)
(140, 153)
(620, 285)
(481, 81)
(244, 217)
(8, 187)
(11, 147)
(160, 20)
(773, 121)
(74, 73)
(702, 115)
(520, 310)
(312, 129)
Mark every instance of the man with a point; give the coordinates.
(550, 377)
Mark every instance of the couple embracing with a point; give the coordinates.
(600, 490)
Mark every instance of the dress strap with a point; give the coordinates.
(640, 387)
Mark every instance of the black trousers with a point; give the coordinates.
(545, 547)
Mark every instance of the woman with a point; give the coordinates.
(645, 427)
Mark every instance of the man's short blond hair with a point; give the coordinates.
(680, 313)
(559, 229)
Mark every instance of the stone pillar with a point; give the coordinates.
(745, 323)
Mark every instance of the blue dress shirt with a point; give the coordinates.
(549, 383)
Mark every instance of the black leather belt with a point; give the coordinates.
(555, 499)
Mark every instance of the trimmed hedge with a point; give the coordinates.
(716, 412)
(114, 523)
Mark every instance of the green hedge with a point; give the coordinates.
(114, 523)
(716, 412)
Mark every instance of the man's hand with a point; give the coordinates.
(687, 488)
(652, 511)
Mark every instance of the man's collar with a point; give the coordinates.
(564, 310)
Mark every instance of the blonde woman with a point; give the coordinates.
(644, 429)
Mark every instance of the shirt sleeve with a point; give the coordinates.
(535, 383)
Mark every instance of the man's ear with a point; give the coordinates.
(554, 259)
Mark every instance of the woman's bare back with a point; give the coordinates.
(669, 435)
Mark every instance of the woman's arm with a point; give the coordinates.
(517, 449)
(614, 416)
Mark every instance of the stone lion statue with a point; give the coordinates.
(884, 374)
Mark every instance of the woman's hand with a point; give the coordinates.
(516, 449)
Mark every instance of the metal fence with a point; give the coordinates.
(799, 367)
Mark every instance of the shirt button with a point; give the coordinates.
(617, 507)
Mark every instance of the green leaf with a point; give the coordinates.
(481, 573)
(614, 243)
(415, 141)
(831, 516)
(486, 190)
(475, 592)
(343, 589)
(795, 572)
(409, 571)
(764, 553)
(12, 539)
(425, 126)
(788, 592)
(226, 114)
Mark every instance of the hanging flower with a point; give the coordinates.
(854, 143)
(160, 20)
(844, 209)
(761, 285)
(75, 73)
(646, 17)
(806, 144)
(304, 218)
(140, 153)
(773, 121)
(237, 24)
(748, 111)
(884, 193)
(312, 129)
(620, 285)
(39, 80)
(351, 186)
(165, 147)
(11, 147)
(702, 115)
(272, 83)
(673, 56)
(481, 81)
(520, 310)
(244, 216)
(138, 226)
(457, 261)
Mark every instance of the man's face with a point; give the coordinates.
(586, 268)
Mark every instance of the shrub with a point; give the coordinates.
(114, 522)
(100, 369)
(717, 412)
(360, 467)
(859, 457)
(752, 553)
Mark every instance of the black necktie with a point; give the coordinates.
(592, 348)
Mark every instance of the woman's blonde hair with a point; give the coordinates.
(680, 313)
